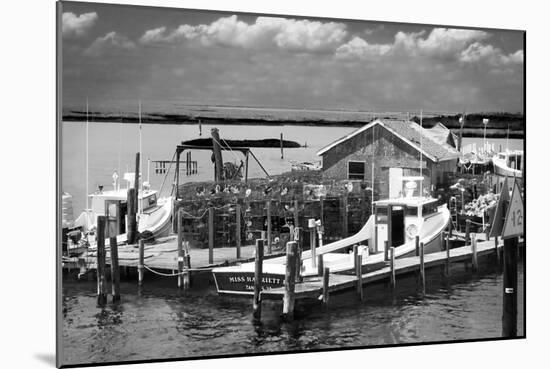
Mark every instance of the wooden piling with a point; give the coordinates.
(210, 235)
(417, 245)
(312, 247)
(238, 229)
(497, 252)
(290, 280)
(467, 233)
(115, 269)
(422, 271)
(132, 222)
(187, 265)
(510, 284)
(474, 254)
(101, 280)
(258, 266)
(181, 255)
(326, 276)
(320, 265)
(359, 275)
(392, 268)
(269, 235)
(344, 207)
(218, 160)
(386, 251)
(448, 261)
(141, 262)
(296, 215)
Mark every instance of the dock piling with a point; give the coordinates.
(320, 265)
(269, 237)
(359, 275)
(422, 271)
(141, 262)
(132, 222)
(257, 303)
(386, 251)
(101, 281)
(417, 245)
(238, 229)
(290, 280)
(326, 276)
(474, 254)
(510, 284)
(344, 207)
(181, 255)
(392, 268)
(312, 243)
(447, 249)
(497, 252)
(115, 269)
(211, 235)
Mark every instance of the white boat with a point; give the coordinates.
(397, 221)
(154, 215)
(509, 163)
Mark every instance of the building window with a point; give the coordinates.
(356, 170)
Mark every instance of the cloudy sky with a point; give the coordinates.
(114, 54)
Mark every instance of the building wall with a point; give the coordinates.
(386, 151)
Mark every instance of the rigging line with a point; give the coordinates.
(166, 174)
(229, 147)
(421, 174)
(87, 155)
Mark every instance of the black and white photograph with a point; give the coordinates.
(234, 183)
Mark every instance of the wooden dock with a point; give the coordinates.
(313, 288)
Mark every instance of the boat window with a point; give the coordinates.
(381, 215)
(411, 211)
(428, 209)
(356, 170)
(150, 201)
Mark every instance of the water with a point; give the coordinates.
(113, 146)
(159, 323)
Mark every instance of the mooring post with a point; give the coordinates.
(386, 251)
(269, 237)
(132, 223)
(497, 252)
(392, 267)
(422, 272)
(298, 240)
(290, 280)
(474, 254)
(359, 274)
(211, 235)
(320, 265)
(101, 281)
(258, 265)
(187, 265)
(115, 269)
(510, 284)
(450, 227)
(326, 276)
(238, 229)
(312, 243)
(417, 245)
(296, 215)
(181, 256)
(344, 208)
(141, 262)
(467, 233)
(448, 261)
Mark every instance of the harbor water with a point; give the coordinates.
(160, 323)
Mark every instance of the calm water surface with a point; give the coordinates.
(160, 323)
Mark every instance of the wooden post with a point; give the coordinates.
(450, 227)
(115, 270)
(281, 145)
(448, 262)
(497, 252)
(181, 255)
(136, 180)
(290, 280)
(422, 272)
(326, 276)
(510, 284)
(392, 267)
(258, 272)
(238, 229)
(417, 245)
(467, 233)
(298, 241)
(344, 207)
(359, 274)
(312, 247)
(178, 155)
(186, 264)
(132, 223)
(474, 254)
(269, 235)
(141, 262)
(101, 281)
(210, 235)
(386, 251)
(216, 148)
(320, 265)
(246, 167)
(296, 215)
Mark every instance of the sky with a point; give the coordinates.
(115, 54)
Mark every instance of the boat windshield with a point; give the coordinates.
(428, 209)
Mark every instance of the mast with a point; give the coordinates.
(140, 207)
(372, 174)
(421, 174)
(87, 155)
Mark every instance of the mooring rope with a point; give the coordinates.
(176, 274)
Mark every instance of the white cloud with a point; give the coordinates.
(77, 25)
(286, 34)
(111, 41)
(361, 49)
(478, 53)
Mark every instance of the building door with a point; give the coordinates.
(395, 182)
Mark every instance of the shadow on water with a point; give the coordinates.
(161, 322)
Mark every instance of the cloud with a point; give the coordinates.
(478, 52)
(112, 41)
(265, 32)
(74, 26)
(361, 49)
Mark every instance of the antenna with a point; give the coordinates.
(87, 149)
(421, 174)
(140, 207)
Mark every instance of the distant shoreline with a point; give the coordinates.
(496, 128)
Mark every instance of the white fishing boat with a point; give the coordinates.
(509, 163)
(397, 220)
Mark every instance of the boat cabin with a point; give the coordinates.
(513, 160)
(399, 220)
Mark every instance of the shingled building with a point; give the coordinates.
(384, 151)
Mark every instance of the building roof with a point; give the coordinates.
(428, 141)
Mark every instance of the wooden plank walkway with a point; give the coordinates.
(313, 288)
(163, 255)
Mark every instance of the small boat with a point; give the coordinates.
(509, 163)
(305, 165)
(154, 216)
(397, 220)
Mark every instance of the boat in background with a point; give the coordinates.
(305, 165)
(509, 163)
(397, 221)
